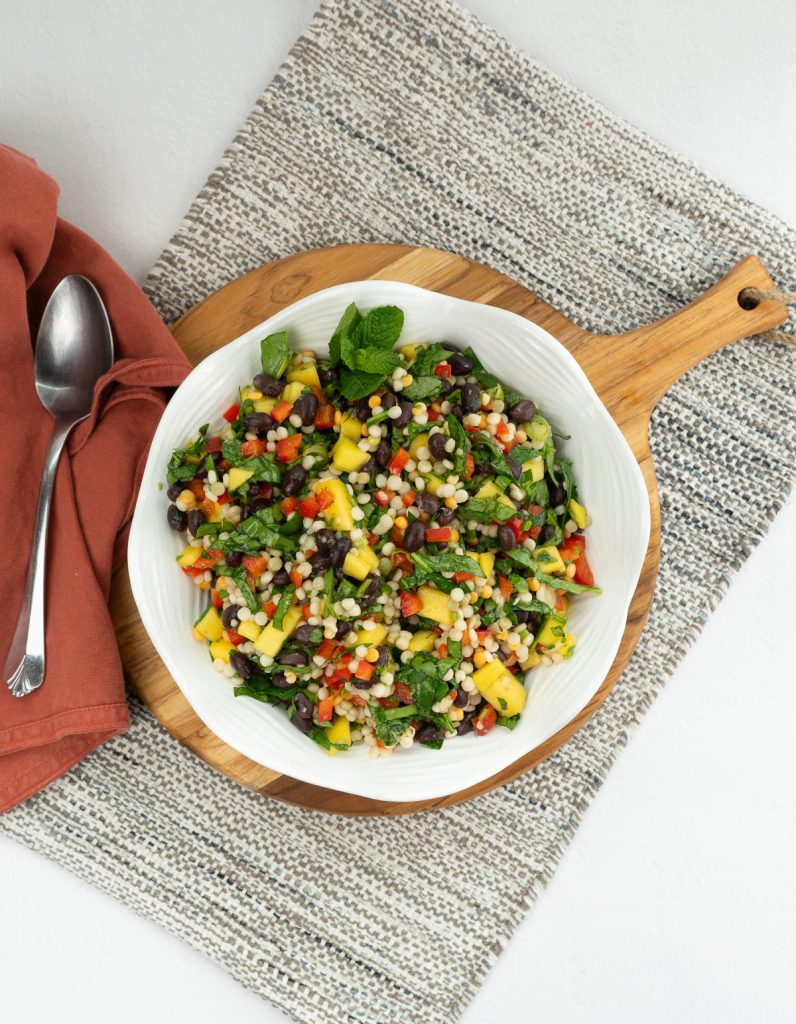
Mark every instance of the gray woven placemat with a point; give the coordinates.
(412, 122)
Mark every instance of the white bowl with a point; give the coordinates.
(531, 361)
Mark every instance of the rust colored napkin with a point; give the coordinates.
(81, 702)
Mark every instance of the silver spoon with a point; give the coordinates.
(74, 349)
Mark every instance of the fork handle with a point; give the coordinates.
(24, 667)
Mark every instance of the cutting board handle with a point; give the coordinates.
(646, 362)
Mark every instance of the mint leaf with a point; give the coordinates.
(422, 388)
(275, 354)
(347, 325)
(375, 360)
(381, 327)
(427, 358)
(355, 384)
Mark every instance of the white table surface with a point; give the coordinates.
(677, 898)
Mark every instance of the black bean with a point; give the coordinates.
(384, 657)
(522, 616)
(383, 453)
(414, 536)
(363, 684)
(557, 495)
(428, 733)
(320, 562)
(506, 538)
(426, 502)
(244, 666)
(245, 512)
(303, 634)
(304, 705)
(306, 406)
(229, 615)
(547, 533)
(174, 492)
(279, 680)
(516, 470)
(451, 346)
(471, 398)
(406, 414)
(447, 387)
(260, 503)
(436, 445)
(461, 364)
(259, 422)
(195, 519)
(362, 410)
(294, 479)
(326, 374)
(522, 411)
(254, 490)
(201, 471)
(465, 726)
(216, 457)
(324, 539)
(233, 558)
(302, 724)
(534, 621)
(445, 516)
(456, 411)
(461, 699)
(176, 519)
(368, 467)
(501, 654)
(388, 400)
(269, 386)
(342, 629)
(293, 658)
(340, 549)
(373, 590)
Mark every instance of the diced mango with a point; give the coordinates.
(237, 477)
(338, 514)
(221, 649)
(210, 624)
(291, 392)
(505, 693)
(264, 404)
(567, 645)
(579, 514)
(489, 490)
(435, 606)
(271, 640)
(535, 467)
(350, 427)
(339, 732)
(188, 555)
(531, 661)
(306, 374)
(368, 637)
(360, 562)
(421, 441)
(410, 350)
(486, 559)
(248, 392)
(552, 632)
(549, 559)
(538, 430)
(433, 483)
(249, 629)
(347, 457)
(422, 640)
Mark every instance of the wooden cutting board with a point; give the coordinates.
(630, 372)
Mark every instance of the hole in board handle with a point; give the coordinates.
(747, 299)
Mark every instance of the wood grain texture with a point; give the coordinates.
(630, 372)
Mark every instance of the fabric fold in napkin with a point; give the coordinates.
(81, 702)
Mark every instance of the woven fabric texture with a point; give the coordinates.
(412, 122)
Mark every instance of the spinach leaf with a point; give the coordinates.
(239, 575)
(508, 722)
(522, 556)
(485, 379)
(284, 603)
(390, 725)
(422, 388)
(446, 562)
(424, 677)
(179, 468)
(459, 435)
(275, 354)
(488, 510)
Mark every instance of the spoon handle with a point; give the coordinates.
(24, 667)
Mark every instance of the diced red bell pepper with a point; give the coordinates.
(388, 702)
(235, 637)
(306, 612)
(232, 413)
(383, 497)
(433, 414)
(215, 598)
(397, 536)
(506, 587)
(255, 564)
(357, 701)
(325, 709)
(408, 498)
(251, 448)
(325, 498)
(573, 549)
(289, 504)
(472, 428)
(197, 489)
(192, 570)
(364, 671)
(309, 508)
(516, 528)
(410, 603)
(482, 634)
(327, 648)
(213, 444)
(485, 720)
(288, 448)
(324, 417)
(373, 539)
(281, 411)
(443, 371)
(223, 499)
(403, 693)
(502, 430)
(402, 561)
(508, 444)
(469, 466)
(442, 650)
(438, 534)
(561, 601)
(296, 578)
(270, 609)
(398, 461)
(209, 559)
(463, 577)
